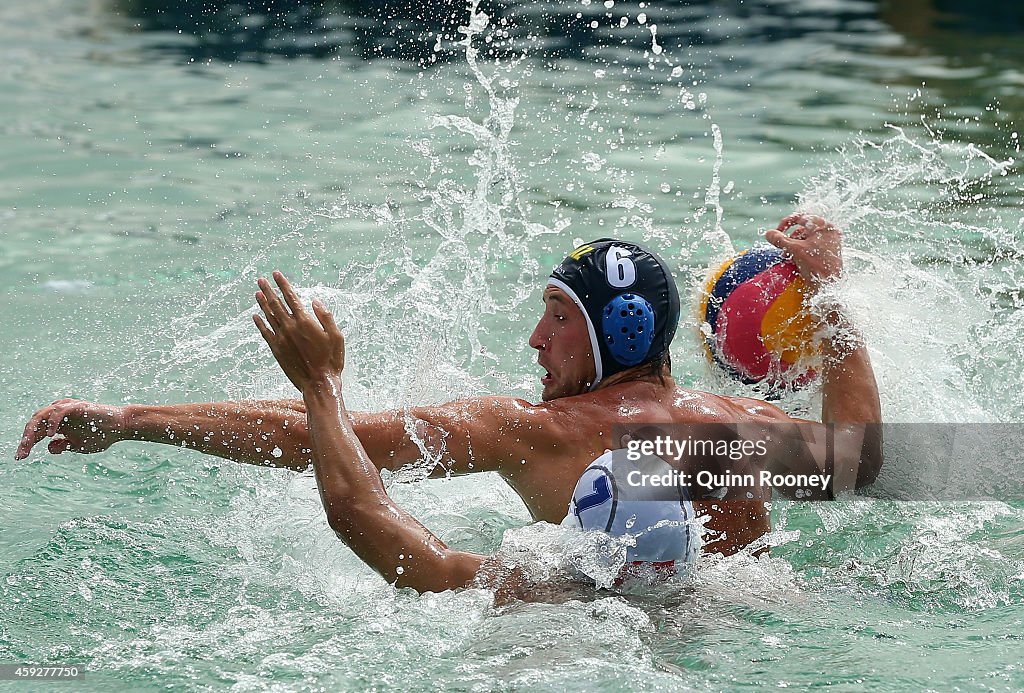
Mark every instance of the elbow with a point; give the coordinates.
(435, 571)
(351, 508)
(339, 511)
(402, 581)
(338, 525)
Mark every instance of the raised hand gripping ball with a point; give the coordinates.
(755, 325)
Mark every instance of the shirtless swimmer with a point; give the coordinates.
(590, 385)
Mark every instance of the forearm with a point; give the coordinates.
(343, 469)
(849, 390)
(850, 407)
(846, 445)
(851, 403)
(361, 513)
(311, 351)
(269, 433)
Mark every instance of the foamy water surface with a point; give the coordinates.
(423, 183)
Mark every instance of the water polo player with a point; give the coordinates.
(610, 312)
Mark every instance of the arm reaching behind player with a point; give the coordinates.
(539, 449)
(850, 401)
(311, 351)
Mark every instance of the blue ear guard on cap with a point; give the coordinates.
(628, 326)
(629, 300)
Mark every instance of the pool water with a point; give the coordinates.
(422, 180)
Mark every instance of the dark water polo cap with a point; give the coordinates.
(628, 296)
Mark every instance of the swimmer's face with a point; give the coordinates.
(562, 341)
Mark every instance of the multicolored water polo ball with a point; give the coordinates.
(756, 327)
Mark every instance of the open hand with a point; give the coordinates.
(815, 245)
(307, 347)
(73, 425)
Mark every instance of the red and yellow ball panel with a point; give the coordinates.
(756, 325)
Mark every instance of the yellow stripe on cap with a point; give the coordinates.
(581, 251)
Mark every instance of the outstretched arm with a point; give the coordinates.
(851, 410)
(271, 433)
(474, 435)
(311, 351)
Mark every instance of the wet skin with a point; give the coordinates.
(539, 449)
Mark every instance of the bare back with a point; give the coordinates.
(549, 469)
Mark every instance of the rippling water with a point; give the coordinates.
(157, 160)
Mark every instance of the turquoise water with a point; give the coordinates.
(149, 176)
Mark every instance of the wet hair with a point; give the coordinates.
(657, 366)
